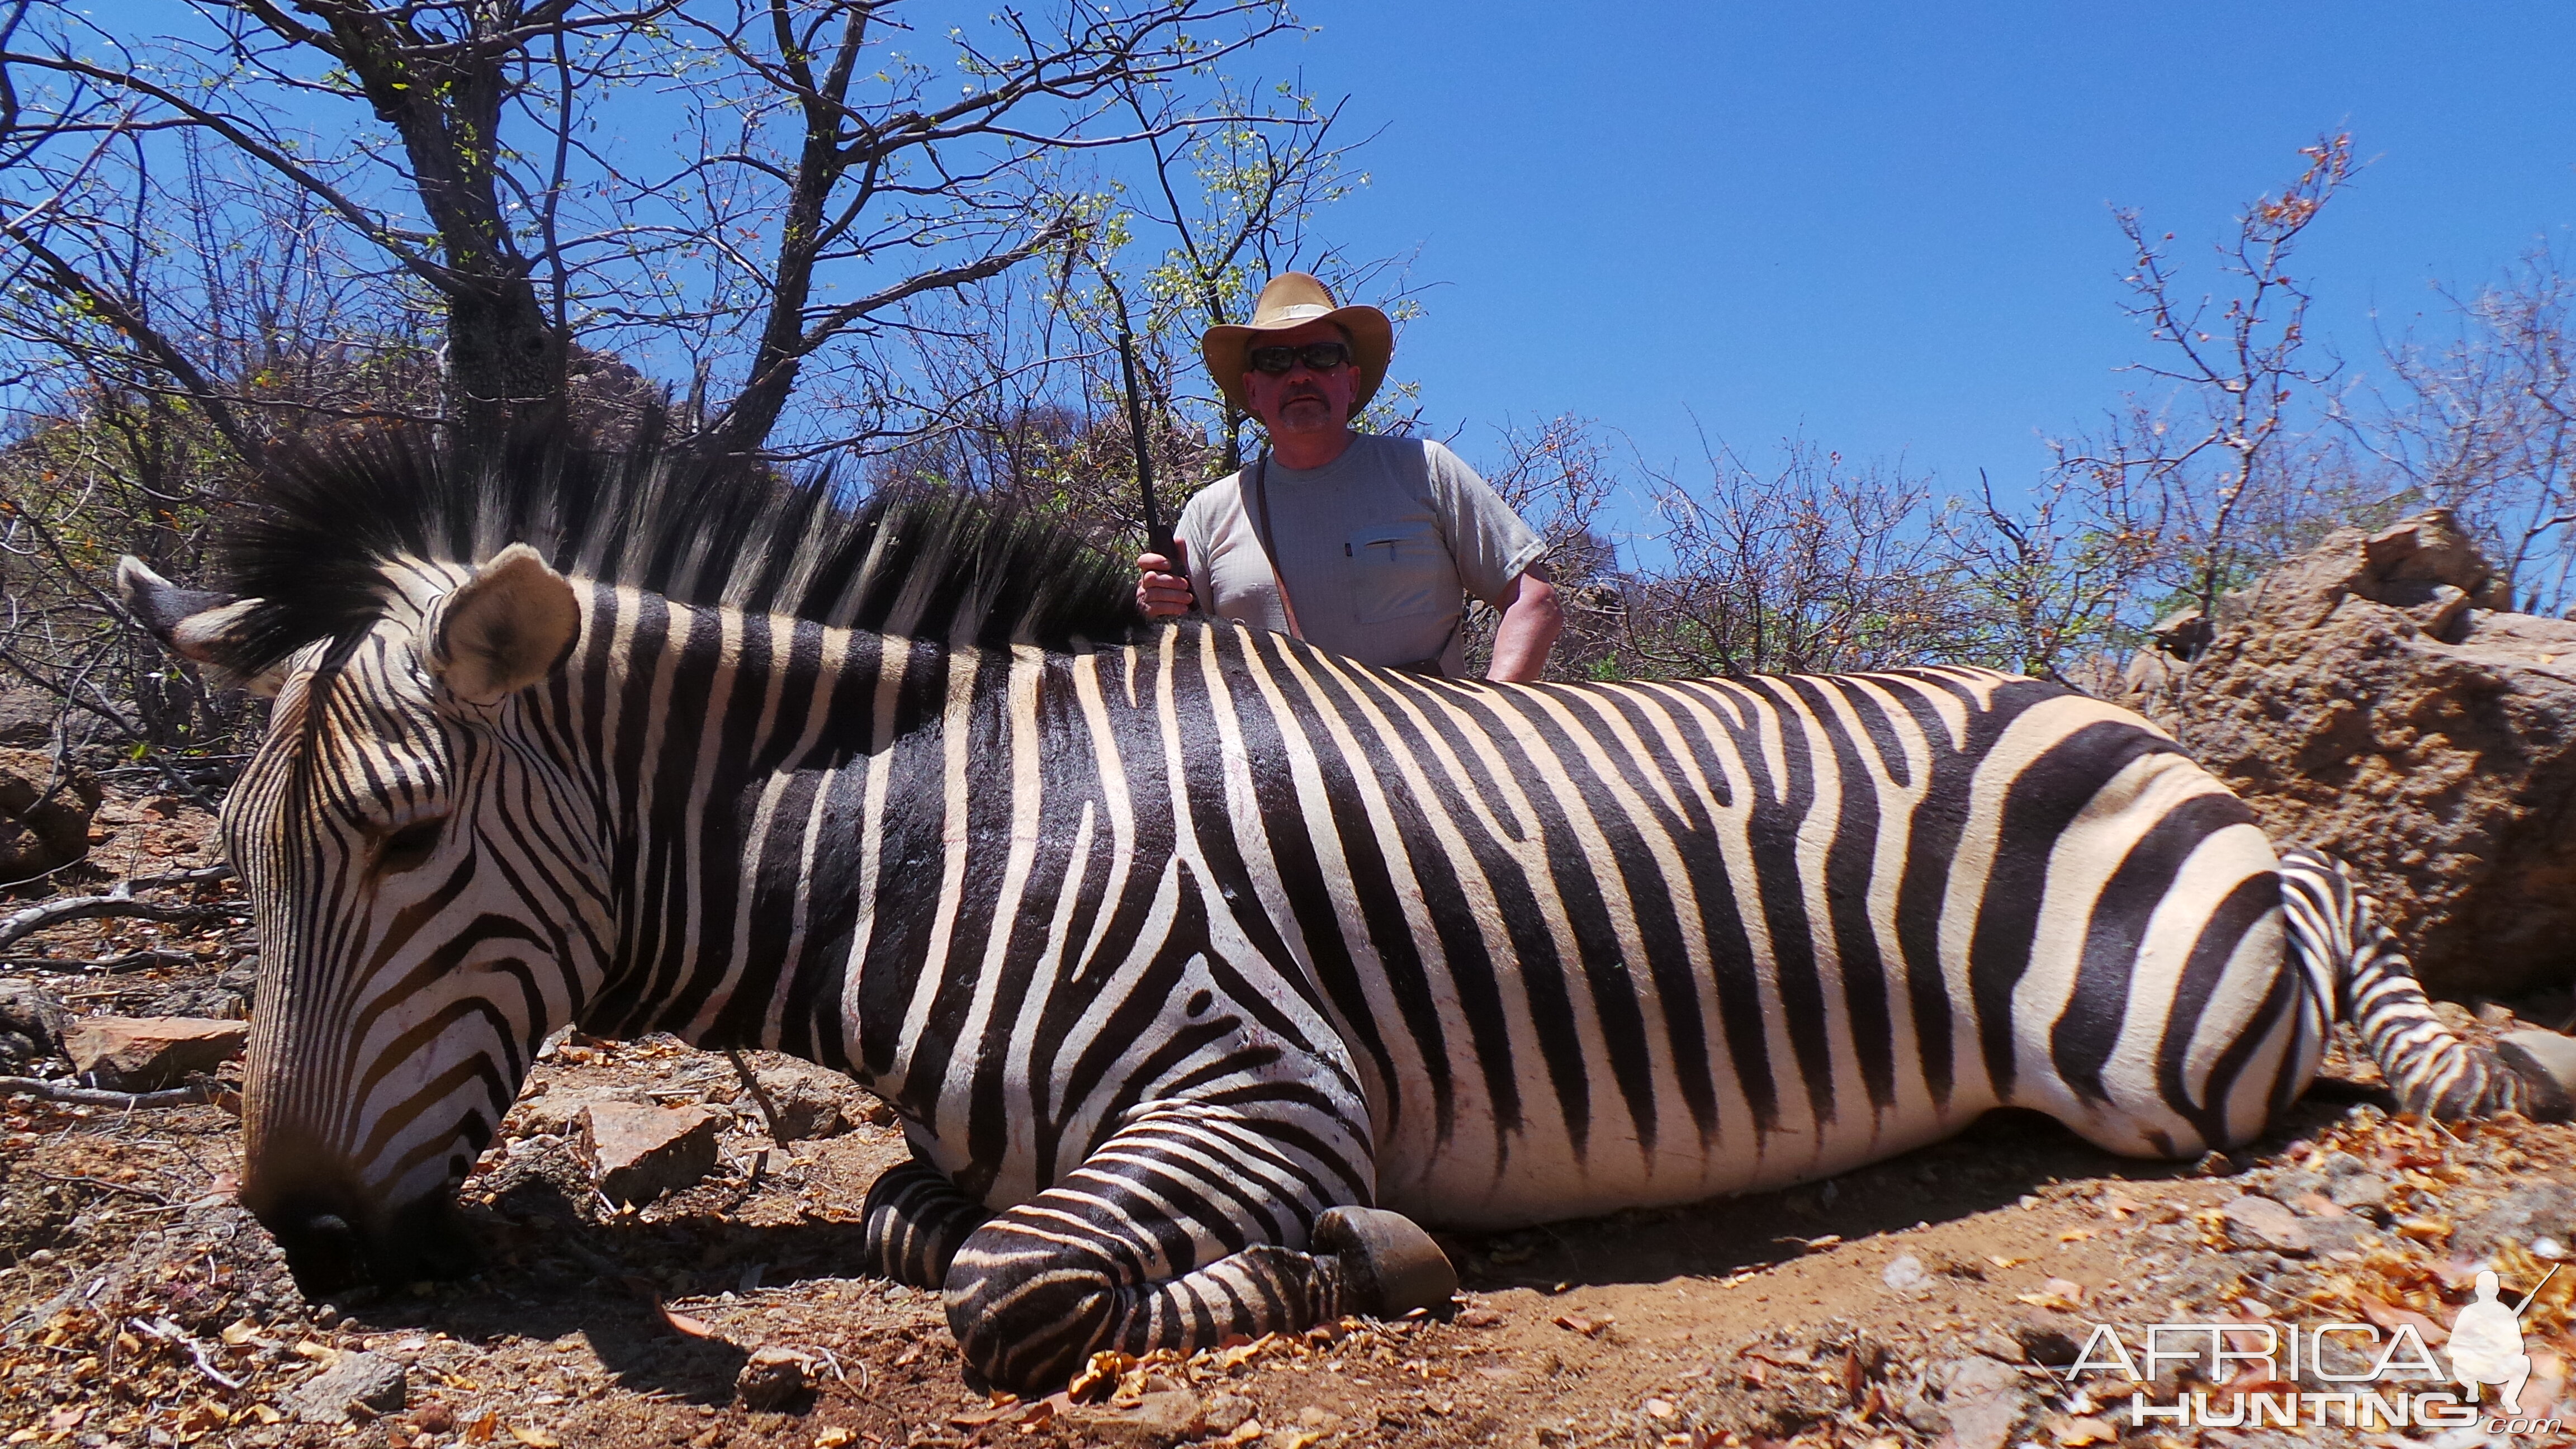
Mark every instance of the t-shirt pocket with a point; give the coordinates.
(1397, 570)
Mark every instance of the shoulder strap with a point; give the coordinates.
(1259, 474)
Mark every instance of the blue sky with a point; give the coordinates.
(1888, 225)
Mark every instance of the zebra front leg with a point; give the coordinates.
(914, 1221)
(1154, 1244)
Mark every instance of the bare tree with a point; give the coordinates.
(2485, 424)
(1047, 380)
(106, 453)
(826, 176)
(2044, 588)
(1818, 565)
(1558, 476)
(2203, 482)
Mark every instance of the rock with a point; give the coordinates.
(2345, 1234)
(27, 715)
(44, 813)
(2535, 1210)
(2358, 1190)
(1983, 1401)
(356, 1381)
(1159, 1418)
(209, 999)
(811, 1101)
(1996, 1344)
(2291, 1185)
(1224, 1413)
(2259, 1222)
(771, 1378)
(2372, 698)
(557, 1112)
(638, 1153)
(32, 1023)
(607, 398)
(1904, 1273)
(2183, 634)
(146, 1053)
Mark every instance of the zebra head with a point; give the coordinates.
(430, 903)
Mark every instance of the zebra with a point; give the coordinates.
(1203, 969)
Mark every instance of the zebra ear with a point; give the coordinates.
(196, 625)
(505, 628)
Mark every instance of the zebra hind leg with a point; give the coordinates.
(1142, 1248)
(2336, 931)
(913, 1223)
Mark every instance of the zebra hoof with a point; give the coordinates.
(2547, 1060)
(1389, 1264)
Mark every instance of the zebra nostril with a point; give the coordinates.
(323, 1251)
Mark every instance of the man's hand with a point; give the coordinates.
(1163, 584)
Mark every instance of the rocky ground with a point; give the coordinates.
(1939, 1298)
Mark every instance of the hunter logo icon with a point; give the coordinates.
(2486, 1343)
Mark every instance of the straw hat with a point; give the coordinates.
(1294, 299)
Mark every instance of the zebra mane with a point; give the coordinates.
(315, 531)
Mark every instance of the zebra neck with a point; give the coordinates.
(761, 776)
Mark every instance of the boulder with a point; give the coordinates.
(146, 1053)
(2374, 699)
(44, 813)
(638, 1153)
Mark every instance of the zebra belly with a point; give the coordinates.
(1459, 1190)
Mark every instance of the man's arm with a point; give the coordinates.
(1532, 618)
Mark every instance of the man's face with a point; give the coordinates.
(1302, 400)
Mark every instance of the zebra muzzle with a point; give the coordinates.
(329, 1247)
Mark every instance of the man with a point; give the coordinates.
(1354, 542)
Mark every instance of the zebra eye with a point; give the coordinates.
(409, 846)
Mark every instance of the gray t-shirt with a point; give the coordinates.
(1377, 546)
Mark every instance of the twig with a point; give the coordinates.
(117, 902)
(168, 1332)
(759, 1095)
(102, 1184)
(198, 875)
(101, 966)
(100, 1097)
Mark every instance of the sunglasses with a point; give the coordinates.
(1320, 356)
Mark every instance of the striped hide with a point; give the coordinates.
(1200, 965)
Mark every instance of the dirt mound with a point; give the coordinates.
(2372, 699)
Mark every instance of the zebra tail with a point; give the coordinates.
(2337, 937)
